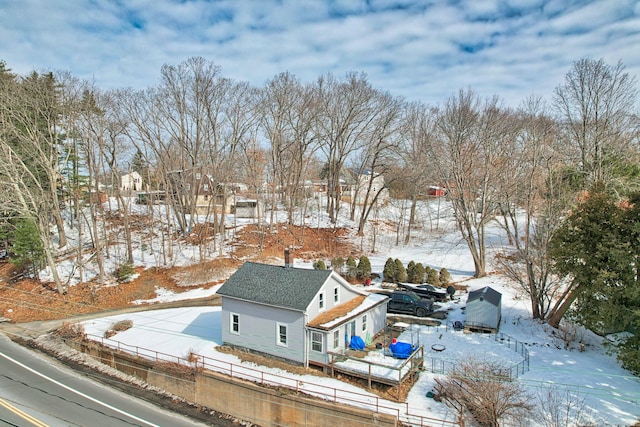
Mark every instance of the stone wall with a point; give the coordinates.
(267, 407)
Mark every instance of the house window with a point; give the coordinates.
(316, 341)
(364, 322)
(336, 339)
(336, 295)
(205, 187)
(235, 323)
(198, 175)
(282, 334)
(321, 300)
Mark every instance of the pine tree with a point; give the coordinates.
(432, 277)
(445, 277)
(352, 268)
(420, 273)
(319, 265)
(591, 249)
(411, 271)
(27, 246)
(337, 264)
(401, 272)
(389, 271)
(364, 268)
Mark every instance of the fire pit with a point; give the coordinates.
(438, 347)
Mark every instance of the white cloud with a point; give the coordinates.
(419, 50)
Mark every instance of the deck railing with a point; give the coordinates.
(371, 402)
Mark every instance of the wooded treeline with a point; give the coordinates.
(62, 138)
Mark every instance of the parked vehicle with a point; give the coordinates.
(427, 291)
(407, 302)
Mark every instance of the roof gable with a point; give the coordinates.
(486, 293)
(287, 287)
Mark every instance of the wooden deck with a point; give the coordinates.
(369, 370)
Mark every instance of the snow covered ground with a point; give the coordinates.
(600, 390)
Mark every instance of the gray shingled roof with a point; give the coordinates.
(274, 285)
(487, 293)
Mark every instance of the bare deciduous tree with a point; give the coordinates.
(595, 104)
(531, 204)
(484, 391)
(472, 147)
(345, 116)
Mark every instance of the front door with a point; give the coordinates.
(349, 331)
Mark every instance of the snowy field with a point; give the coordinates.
(604, 393)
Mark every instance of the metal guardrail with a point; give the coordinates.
(332, 394)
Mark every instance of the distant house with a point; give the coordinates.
(295, 314)
(199, 188)
(436, 191)
(484, 310)
(246, 208)
(367, 181)
(131, 182)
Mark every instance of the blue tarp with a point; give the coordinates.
(356, 343)
(401, 350)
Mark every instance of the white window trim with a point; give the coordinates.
(322, 303)
(231, 323)
(364, 322)
(278, 341)
(336, 295)
(336, 339)
(321, 342)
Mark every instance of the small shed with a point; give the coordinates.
(484, 310)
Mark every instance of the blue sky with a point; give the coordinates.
(422, 50)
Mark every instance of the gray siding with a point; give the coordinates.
(345, 293)
(258, 328)
(482, 313)
(376, 321)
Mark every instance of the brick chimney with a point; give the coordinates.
(288, 258)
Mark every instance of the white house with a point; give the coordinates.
(372, 182)
(131, 182)
(295, 314)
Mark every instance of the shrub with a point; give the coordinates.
(352, 268)
(401, 272)
(415, 272)
(389, 271)
(432, 276)
(364, 268)
(485, 391)
(70, 330)
(319, 265)
(445, 277)
(122, 325)
(337, 264)
(125, 272)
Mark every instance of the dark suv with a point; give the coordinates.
(407, 302)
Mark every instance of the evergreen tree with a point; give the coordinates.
(364, 267)
(352, 268)
(411, 271)
(401, 272)
(389, 270)
(337, 264)
(432, 277)
(445, 277)
(27, 246)
(591, 250)
(319, 265)
(415, 272)
(420, 273)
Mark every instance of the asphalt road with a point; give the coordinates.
(38, 391)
